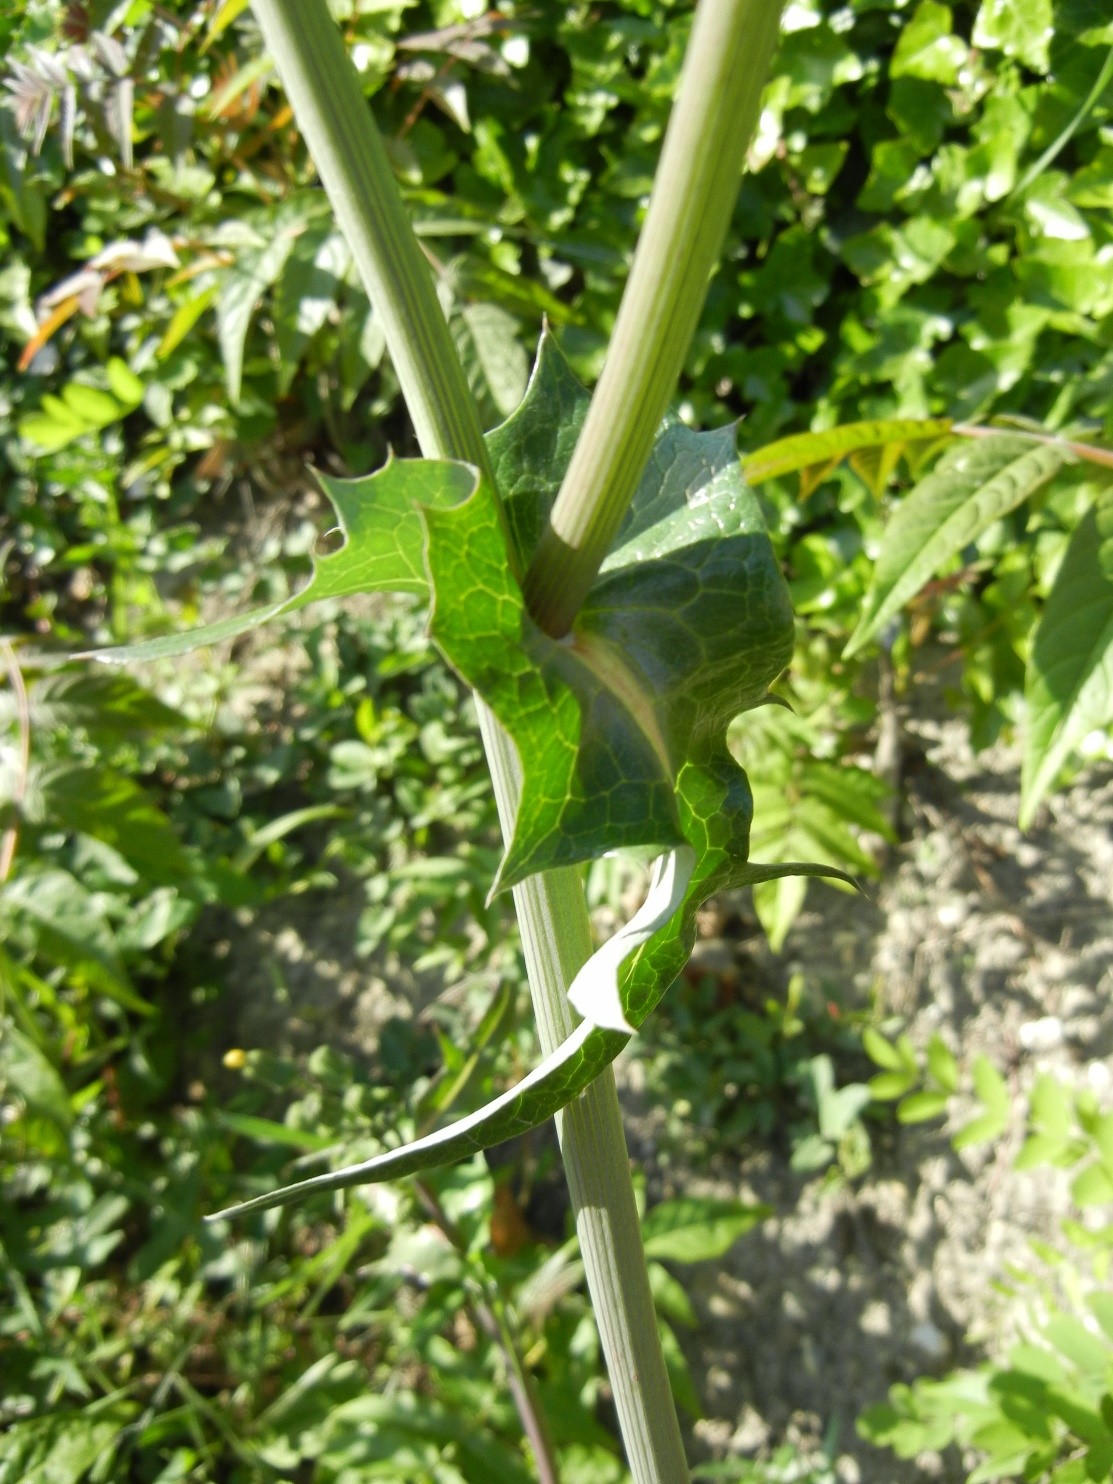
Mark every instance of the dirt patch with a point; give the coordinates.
(998, 942)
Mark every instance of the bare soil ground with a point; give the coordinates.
(1000, 943)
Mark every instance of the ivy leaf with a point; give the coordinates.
(1019, 28)
(973, 485)
(1069, 687)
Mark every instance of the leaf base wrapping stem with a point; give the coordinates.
(556, 943)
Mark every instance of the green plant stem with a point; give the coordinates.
(556, 942)
(1090, 452)
(347, 149)
(490, 1312)
(693, 195)
(337, 126)
(1060, 142)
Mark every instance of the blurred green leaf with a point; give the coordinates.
(1069, 686)
(972, 486)
(697, 1229)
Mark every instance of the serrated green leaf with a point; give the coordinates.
(1069, 684)
(382, 551)
(918, 1107)
(973, 485)
(826, 449)
(610, 724)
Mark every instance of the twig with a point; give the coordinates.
(1088, 451)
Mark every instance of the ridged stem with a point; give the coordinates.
(556, 943)
(337, 126)
(690, 207)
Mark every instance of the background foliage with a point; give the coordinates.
(925, 233)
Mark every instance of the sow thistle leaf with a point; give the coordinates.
(1069, 686)
(621, 728)
(382, 552)
(973, 485)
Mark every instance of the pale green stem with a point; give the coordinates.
(556, 942)
(1060, 142)
(337, 125)
(347, 149)
(694, 192)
